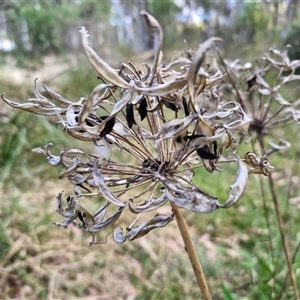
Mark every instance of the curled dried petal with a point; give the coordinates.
(110, 221)
(163, 89)
(118, 235)
(36, 108)
(103, 189)
(102, 67)
(157, 35)
(197, 61)
(149, 205)
(237, 189)
(157, 221)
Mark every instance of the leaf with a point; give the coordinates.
(102, 67)
(129, 115)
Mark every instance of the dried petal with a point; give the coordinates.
(72, 211)
(102, 67)
(149, 205)
(237, 189)
(118, 235)
(197, 61)
(110, 221)
(157, 35)
(103, 189)
(57, 96)
(157, 221)
(36, 108)
(163, 89)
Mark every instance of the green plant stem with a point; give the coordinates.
(190, 249)
(283, 239)
(281, 228)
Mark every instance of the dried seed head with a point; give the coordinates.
(185, 123)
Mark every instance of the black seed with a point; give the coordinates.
(108, 127)
(204, 153)
(170, 105)
(185, 107)
(193, 136)
(89, 124)
(178, 140)
(251, 82)
(215, 147)
(143, 109)
(83, 187)
(129, 115)
(103, 117)
(81, 218)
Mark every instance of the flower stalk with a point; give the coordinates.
(191, 251)
(281, 227)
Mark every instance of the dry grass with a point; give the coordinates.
(45, 261)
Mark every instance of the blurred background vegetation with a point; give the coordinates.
(31, 30)
(40, 261)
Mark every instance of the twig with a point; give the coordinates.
(190, 249)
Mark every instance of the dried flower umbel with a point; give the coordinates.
(153, 127)
(183, 125)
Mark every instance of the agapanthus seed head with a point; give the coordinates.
(152, 128)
